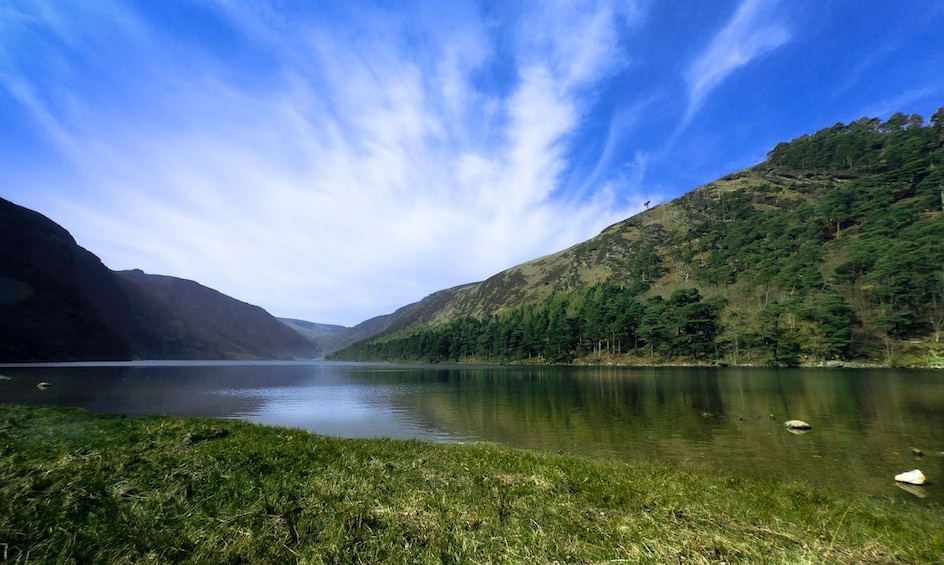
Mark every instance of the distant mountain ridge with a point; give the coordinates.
(58, 302)
(328, 338)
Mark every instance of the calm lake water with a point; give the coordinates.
(865, 422)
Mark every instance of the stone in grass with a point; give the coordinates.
(912, 477)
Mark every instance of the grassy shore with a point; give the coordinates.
(80, 487)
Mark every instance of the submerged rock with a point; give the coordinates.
(797, 425)
(912, 477)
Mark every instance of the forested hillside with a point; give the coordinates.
(831, 249)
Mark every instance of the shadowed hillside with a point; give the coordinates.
(45, 314)
(181, 319)
(58, 302)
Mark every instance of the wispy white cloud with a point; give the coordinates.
(336, 160)
(750, 33)
(368, 165)
(578, 41)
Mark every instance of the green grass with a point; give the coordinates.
(79, 487)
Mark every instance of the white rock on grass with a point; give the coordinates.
(912, 477)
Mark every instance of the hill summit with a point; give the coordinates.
(829, 250)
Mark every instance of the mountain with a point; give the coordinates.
(831, 248)
(58, 302)
(327, 338)
(181, 319)
(45, 312)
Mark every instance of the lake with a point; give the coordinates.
(866, 422)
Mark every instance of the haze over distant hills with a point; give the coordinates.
(58, 302)
(327, 337)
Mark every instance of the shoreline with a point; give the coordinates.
(624, 361)
(76, 485)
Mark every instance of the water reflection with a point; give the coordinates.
(864, 422)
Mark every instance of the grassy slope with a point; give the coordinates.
(79, 487)
(600, 259)
(852, 210)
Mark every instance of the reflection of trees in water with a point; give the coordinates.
(716, 417)
(864, 421)
(553, 406)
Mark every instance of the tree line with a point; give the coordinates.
(831, 249)
(607, 319)
(864, 222)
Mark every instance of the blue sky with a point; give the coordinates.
(333, 161)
